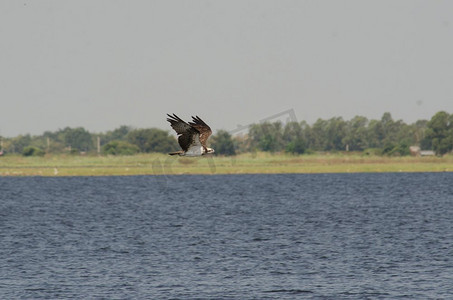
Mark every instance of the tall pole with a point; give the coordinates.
(99, 145)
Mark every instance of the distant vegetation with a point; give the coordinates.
(120, 148)
(383, 137)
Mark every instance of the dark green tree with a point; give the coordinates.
(440, 132)
(152, 140)
(296, 146)
(19, 143)
(222, 143)
(120, 148)
(32, 151)
(267, 136)
(392, 130)
(78, 139)
(318, 137)
(294, 137)
(119, 134)
(292, 131)
(336, 131)
(375, 134)
(356, 137)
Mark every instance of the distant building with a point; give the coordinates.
(416, 151)
(427, 153)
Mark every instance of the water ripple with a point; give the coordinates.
(324, 236)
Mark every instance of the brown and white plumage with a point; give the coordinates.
(192, 136)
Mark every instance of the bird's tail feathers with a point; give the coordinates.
(176, 153)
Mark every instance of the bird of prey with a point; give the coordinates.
(192, 136)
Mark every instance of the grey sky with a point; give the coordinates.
(102, 64)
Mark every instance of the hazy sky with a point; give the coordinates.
(102, 64)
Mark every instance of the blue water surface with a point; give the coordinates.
(324, 236)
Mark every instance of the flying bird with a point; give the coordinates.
(192, 136)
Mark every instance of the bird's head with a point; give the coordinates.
(210, 150)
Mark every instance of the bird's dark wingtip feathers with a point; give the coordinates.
(174, 118)
(198, 120)
(195, 120)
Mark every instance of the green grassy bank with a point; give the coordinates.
(159, 164)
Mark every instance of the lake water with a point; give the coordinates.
(336, 236)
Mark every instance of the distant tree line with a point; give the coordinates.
(384, 137)
(122, 141)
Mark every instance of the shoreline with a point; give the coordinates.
(248, 163)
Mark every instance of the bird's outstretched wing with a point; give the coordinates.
(186, 133)
(203, 128)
